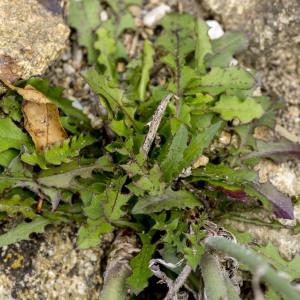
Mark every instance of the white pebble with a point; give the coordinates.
(68, 69)
(215, 30)
(77, 104)
(234, 62)
(103, 16)
(156, 14)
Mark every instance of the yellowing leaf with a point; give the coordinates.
(43, 124)
(29, 93)
(230, 107)
(41, 117)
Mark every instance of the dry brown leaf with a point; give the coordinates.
(41, 117)
(43, 124)
(29, 93)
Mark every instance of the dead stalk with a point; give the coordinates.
(157, 117)
(173, 286)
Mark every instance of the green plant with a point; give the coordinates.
(149, 177)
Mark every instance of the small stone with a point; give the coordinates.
(135, 10)
(66, 56)
(281, 176)
(234, 62)
(293, 111)
(200, 162)
(225, 138)
(77, 58)
(186, 172)
(215, 30)
(156, 14)
(236, 122)
(121, 67)
(91, 255)
(77, 105)
(68, 69)
(262, 133)
(149, 31)
(235, 141)
(103, 16)
(138, 22)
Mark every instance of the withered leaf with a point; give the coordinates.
(29, 93)
(41, 117)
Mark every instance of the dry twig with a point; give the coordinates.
(157, 117)
(173, 286)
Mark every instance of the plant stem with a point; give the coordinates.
(255, 263)
(115, 284)
(118, 268)
(231, 292)
(215, 288)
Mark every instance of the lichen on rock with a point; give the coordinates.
(31, 38)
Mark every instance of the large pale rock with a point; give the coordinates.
(32, 35)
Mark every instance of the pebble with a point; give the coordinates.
(121, 67)
(66, 56)
(135, 10)
(262, 133)
(77, 104)
(234, 62)
(156, 14)
(225, 138)
(236, 122)
(103, 16)
(200, 162)
(215, 30)
(77, 58)
(68, 69)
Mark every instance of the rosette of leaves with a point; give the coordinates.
(108, 181)
(208, 96)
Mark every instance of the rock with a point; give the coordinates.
(288, 243)
(201, 161)
(33, 35)
(281, 176)
(135, 10)
(155, 15)
(215, 30)
(50, 266)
